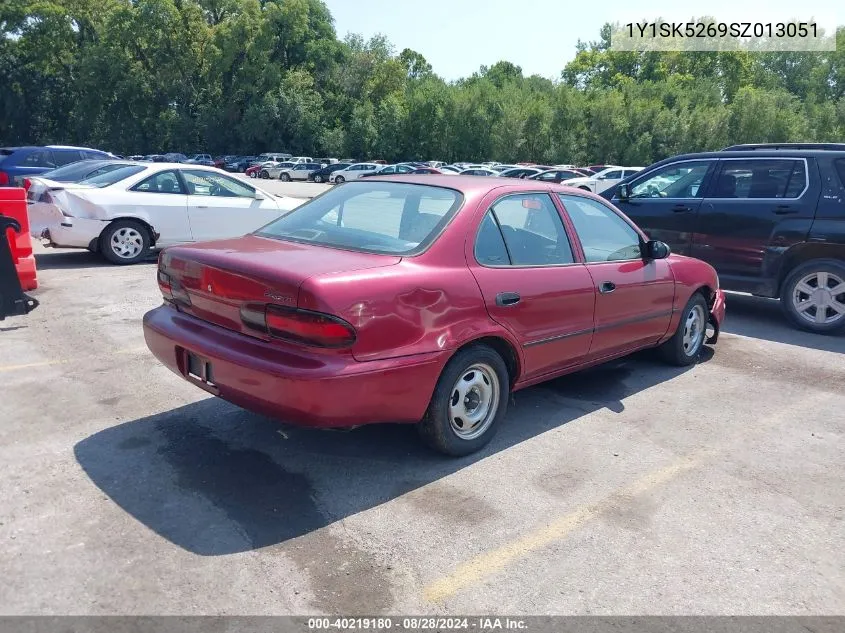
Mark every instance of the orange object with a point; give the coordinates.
(13, 205)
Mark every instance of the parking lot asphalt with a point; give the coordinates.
(633, 488)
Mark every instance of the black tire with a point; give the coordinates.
(284, 177)
(265, 174)
(675, 351)
(252, 174)
(339, 180)
(318, 179)
(835, 270)
(133, 232)
(436, 426)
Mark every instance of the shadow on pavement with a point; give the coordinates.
(80, 259)
(215, 479)
(761, 318)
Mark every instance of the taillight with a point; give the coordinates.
(301, 326)
(4, 179)
(172, 290)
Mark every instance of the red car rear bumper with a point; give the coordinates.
(286, 383)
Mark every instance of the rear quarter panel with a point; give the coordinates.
(407, 309)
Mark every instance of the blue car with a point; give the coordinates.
(17, 163)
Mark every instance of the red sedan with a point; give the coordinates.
(426, 300)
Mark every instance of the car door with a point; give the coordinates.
(221, 207)
(162, 198)
(665, 202)
(634, 296)
(755, 209)
(299, 172)
(531, 282)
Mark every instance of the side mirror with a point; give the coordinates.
(624, 192)
(259, 195)
(655, 249)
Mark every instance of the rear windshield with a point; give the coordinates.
(375, 217)
(73, 171)
(110, 177)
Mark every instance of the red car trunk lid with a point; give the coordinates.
(219, 277)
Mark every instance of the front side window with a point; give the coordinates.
(679, 180)
(370, 216)
(162, 182)
(531, 229)
(604, 235)
(761, 179)
(206, 183)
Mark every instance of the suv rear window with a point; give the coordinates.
(375, 217)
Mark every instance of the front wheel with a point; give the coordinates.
(469, 401)
(252, 174)
(124, 242)
(813, 296)
(284, 177)
(318, 179)
(265, 174)
(339, 180)
(686, 344)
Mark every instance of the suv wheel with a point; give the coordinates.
(265, 174)
(813, 296)
(339, 180)
(284, 177)
(318, 178)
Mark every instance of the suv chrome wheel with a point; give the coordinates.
(819, 298)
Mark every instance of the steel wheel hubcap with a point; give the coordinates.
(820, 298)
(127, 242)
(694, 326)
(474, 401)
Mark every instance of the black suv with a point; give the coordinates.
(770, 218)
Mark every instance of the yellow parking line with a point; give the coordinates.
(493, 561)
(64, 361)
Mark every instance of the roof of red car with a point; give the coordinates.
(479, 185)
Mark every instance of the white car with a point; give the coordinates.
(300, 171)
(300, 159)
(272, 170)
(605, 179)
(125, 212)
(479, 171)
(353, 172)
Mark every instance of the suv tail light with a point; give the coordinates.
(4, 179)
(301, 326)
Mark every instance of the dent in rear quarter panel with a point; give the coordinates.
(404, 309)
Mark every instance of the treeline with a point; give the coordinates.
(229, 76)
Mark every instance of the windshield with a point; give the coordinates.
(110, 177)
(376, 217)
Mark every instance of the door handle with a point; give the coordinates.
(606, 287)
(681, 208)
(784, 209)
(507, 299)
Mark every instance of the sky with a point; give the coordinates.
(458, 36)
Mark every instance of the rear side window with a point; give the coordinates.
(531, 230)
(66, 156)
(761, 179)
(840, 169)
(377, 217)
(38, 158)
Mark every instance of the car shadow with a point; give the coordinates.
(215, 479)
(80, 259)
(761, 318)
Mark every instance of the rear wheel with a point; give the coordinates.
(813, 296)
(339, 180)
(125, 242)
(686, 344)
(469, 401)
